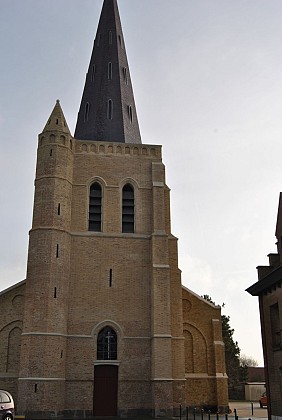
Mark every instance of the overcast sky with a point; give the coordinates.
(208, 87)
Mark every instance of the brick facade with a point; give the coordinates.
(269, 292)
(170, 349)
(88, 275)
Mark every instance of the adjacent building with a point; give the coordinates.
(102, 325)
(269, 292)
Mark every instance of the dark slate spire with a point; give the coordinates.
(107, 110)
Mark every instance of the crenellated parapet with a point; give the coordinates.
(118, 149)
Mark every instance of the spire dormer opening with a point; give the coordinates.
(86, 113)
(130, 114)
(110, 110)
(98, 39)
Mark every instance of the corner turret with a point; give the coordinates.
(57, 121)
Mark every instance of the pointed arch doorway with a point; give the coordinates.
(105, 399)
(105, 391)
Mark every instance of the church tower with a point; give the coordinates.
(103, 283)
(102, 325)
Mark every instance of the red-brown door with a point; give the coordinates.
(105, 390)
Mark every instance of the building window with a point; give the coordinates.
(98, 39)
(107, 344)
(86, 111)
(95, 208)
(275, 326)
(125, 75)
(130, 114)
(110, 71)
(127, 209)
(110, 110)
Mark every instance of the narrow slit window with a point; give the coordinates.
(51, 152)
(107, 344)
(127, 209)
(35, 387)
(130, 114)
(110, 71)
(125, 75)
(98, 39)
(57, 251)
(111, 278)
(95, 208)
(55, 292)
(86, 111)
(110, 37)
(59, 209)
(110, 110)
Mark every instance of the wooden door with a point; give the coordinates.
(105, 391)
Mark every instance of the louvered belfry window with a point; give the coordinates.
(127, 209)
(107, 344)
(95, 208)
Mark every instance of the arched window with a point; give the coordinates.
(107, 344)
(95, 208)
(130, 114)
(98, 39)
(125, 76)
(86, 111)
(128, 209)
(110, 109)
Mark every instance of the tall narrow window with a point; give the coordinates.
(86, 111)
(110, 109)
(110, 71)
(107, 344)
(130, 114)
(111, 277)
(125, 75)
(98, 39)
(275, 326)
(127, 209)
(95, 208)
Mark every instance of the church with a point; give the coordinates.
(102, 325)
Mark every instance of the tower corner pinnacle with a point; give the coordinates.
(57, 121)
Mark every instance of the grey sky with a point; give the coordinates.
(207, 83)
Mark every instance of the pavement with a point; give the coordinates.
(247, 410)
